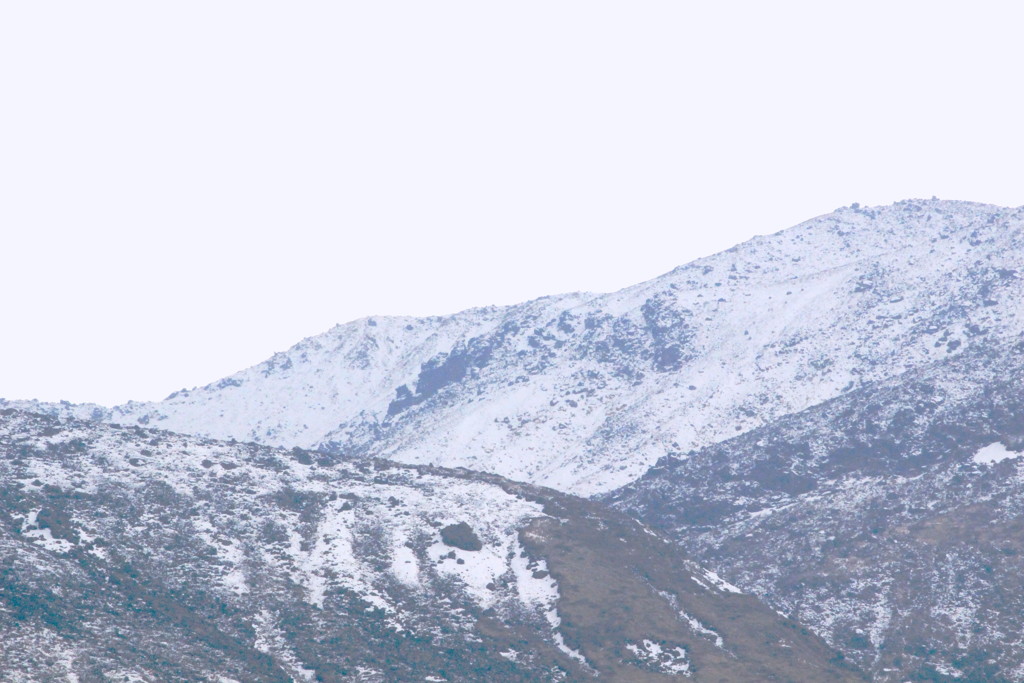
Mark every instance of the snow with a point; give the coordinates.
(339, 532)
(670, 660)
(342, 550)
(993, 453)
(693, 622)
(332, 560)
(538, 592)
(44, 538)
(478, 569)
(228, 554)
(703, 630)
(123, 676)
(573, 653)
(271, 641)
(404, 565)
(555, 621)
(720, 583)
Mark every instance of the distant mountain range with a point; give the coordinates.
(827, 416)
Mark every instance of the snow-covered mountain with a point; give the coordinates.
(585, 392)
(829, 416)
(133, 554)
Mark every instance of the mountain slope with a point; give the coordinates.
(145, 555)
(585, 392)
(888, 520)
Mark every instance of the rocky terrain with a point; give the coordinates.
(140, 555)
(889, 520)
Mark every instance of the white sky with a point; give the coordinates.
(187, 187)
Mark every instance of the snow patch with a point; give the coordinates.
(271, 641)
(670, 659)
(695, 624)
(720, 583)
(993, 453)
(702, 630)
(556, 621)
(404, 565)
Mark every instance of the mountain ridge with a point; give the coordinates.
(710, 349)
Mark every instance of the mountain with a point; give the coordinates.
(128, 553)
(889, 520)
(584, 393)
(827, 416)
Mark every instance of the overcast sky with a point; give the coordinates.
(187, 187)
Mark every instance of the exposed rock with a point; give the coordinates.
(460, 536)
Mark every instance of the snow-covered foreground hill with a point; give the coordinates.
(585, 392)
(140, 555)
